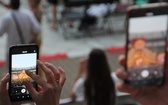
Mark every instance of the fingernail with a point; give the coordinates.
(38, 61)
(59, 67)
(46, 63)
(27, 71)
(7, 75)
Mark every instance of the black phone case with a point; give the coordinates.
(16, 49)
(139, 11)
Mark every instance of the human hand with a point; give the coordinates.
(50, 90)
(4, 96)
(156, 95)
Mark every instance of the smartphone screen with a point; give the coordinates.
(22, 58)
(146, 48)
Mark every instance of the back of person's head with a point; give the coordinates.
(15, 4)
(99, 86)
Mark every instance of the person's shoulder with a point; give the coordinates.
(7, 17)
(80, 80)
(26, 11)
(79, 87)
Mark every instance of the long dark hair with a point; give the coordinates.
(99, 85)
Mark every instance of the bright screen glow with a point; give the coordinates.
(146, 47)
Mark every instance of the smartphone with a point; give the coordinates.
(146, 37)
(22, 58)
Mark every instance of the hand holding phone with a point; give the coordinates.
(4, 97)
(144, 95)
(147, 30)
(22, 58)
(50, 90)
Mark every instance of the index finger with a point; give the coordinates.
(37, 78)
(4, 82)
(63, 76)
(122, 74)
(48, 73)
(54, 70)
(121, 60)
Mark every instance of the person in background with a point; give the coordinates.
(94, 80)
(94, 12)
(54, 13)
(37, 12)
(34, 6)
(19, 25)
(91, 15)
(50, 89)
